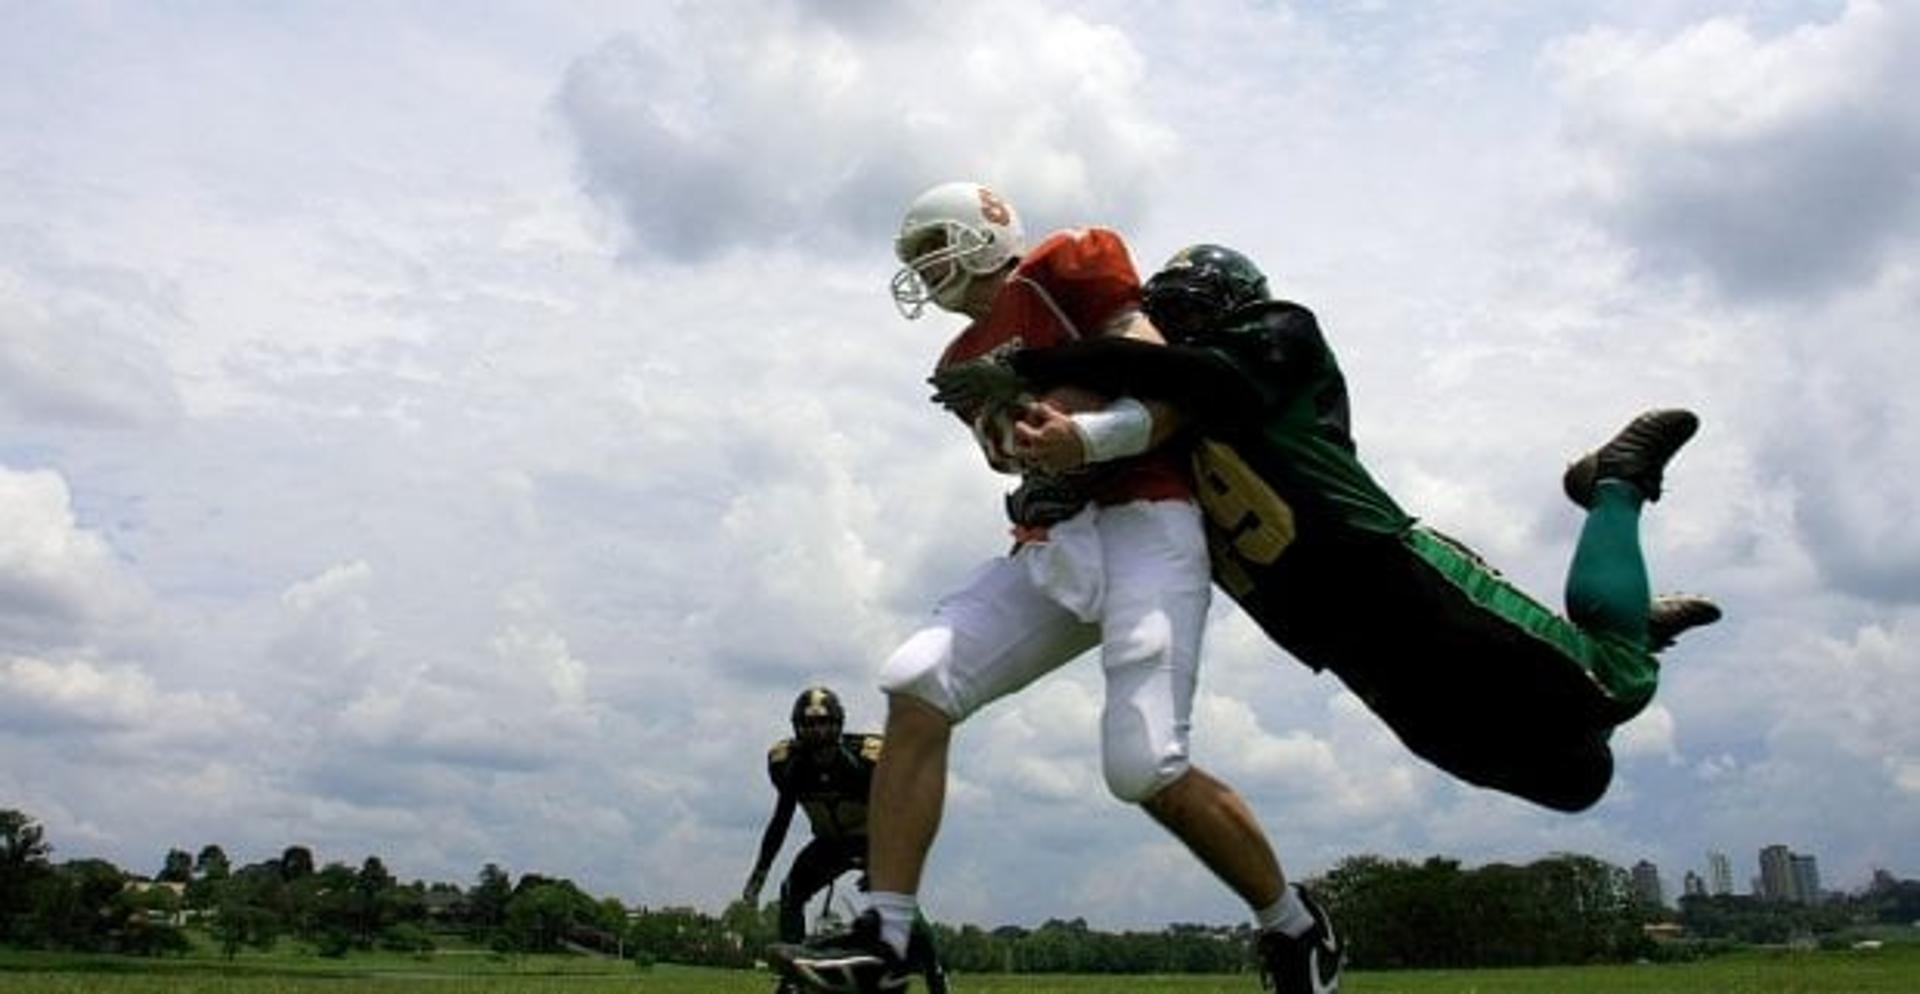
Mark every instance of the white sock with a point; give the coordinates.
(1289, 914)
(896, 918)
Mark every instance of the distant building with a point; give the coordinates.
(1664, 931)
(1693, 885)
(1719, 874)
(172, 912)
(1789, 876)
(1646, 884)
(1776, 874)
(1806, 878)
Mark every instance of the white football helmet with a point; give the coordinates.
(951, 234)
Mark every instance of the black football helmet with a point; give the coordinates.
(818, 717)
(1198, 286)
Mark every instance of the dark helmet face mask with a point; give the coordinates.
(1197, 287)
(817, 733)
(818, 718)
(1180, 312)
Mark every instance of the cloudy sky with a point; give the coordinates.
(456, 434)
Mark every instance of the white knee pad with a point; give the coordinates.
(1143, 741)
(1135, 764)
(919, 669)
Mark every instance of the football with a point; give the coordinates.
(995, 428)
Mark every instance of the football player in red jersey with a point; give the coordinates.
(1110, 555)
(826, 772)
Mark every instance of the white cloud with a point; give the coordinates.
(1650, 733)
(1777, 166)
(88, 357)
(545, 652)
(788, 125)
(338, 584)
(1839, 445)
(82, 697)
(60, 583)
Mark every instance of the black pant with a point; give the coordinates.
(1478, 689)
(822, 861)
(818, 864)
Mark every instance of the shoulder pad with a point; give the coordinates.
(870, 747)
(780, 751)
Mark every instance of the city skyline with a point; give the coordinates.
(1784, 875)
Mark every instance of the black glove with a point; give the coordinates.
(967, 387)
(1043, 500)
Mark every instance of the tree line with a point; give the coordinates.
(1741, 919)
(1563, 909)
(90, 905)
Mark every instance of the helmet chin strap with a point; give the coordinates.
(951, 294)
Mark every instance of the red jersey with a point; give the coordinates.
(1070, 286)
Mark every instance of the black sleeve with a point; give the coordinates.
(776, 833)
(1262, 355)
(1199, 381)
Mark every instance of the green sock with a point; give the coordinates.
(1607, 587)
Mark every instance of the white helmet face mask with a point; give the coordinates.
(951, 234)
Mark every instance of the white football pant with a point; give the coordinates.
(1131, 578)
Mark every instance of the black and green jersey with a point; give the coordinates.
(1276, 464)
(830, 786)
(1295, 427)
(1470, 671)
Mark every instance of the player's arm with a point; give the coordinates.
(779, 769)
(1119, 295)
(1060, 440)
(771, 840)
(1167, 419)
(1203, 384)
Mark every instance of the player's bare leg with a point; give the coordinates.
(909, 791)
(1216, 824)
(1298, 949)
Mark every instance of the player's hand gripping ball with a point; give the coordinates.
(1036, 433)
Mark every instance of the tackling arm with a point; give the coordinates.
(1167, 418)
(1198, 381)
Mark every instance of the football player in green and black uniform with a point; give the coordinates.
(1469, 671)
(825, 772)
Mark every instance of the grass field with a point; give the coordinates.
(1892, 970)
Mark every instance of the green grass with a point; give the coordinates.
(1893, 970)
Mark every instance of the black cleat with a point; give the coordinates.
(1309, 964)
(922, 959)
(1672, 614)
(859, 962)
(1638, 455)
